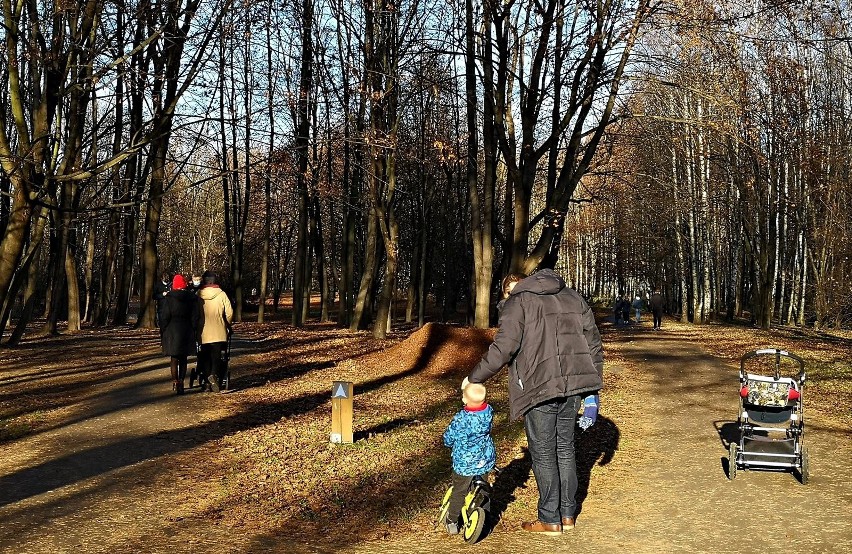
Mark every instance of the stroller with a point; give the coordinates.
(770, 420)
(202, 374)
(226, 361)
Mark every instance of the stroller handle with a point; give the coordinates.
(778, 353)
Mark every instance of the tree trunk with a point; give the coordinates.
(149, 270)
(361, 314)
(73, 287)
(301, 284)
(12, 245)
(168, 64)
(421, 280)
(319, 255)
(682, 269)
(27, 273)
(480, 214)
(381, 327)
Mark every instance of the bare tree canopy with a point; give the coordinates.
(359, 155)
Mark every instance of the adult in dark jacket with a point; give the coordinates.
(625, 309)
(656, 304)
(161, 288)
(548, 336)
(180, 318)
(617, 309)
(195, 285)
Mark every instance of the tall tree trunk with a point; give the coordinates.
(319, 254)
(301, 285)
(89, 272)
(27, 273)
(421, 282)
(73, 291)
(361, 313)
(132, 183)
(682, 269)
(480, 212)
(154, 208)
(168, 64)
(267, 179)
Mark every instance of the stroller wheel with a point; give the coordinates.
(803, 471)
(475, 525)
(732, 461)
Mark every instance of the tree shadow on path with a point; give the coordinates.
(91, 462)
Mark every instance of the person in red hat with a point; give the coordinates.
(180, 318)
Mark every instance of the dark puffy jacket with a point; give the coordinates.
(469, 435)
(160, 291)
(548, 336)
(180, 317)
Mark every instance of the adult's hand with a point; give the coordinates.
(465, 383)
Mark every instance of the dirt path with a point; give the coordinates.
(120, 471)
(676, 497)
(107, 474)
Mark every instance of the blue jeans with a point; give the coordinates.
(550, 435)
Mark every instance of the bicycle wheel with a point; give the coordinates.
(475, 525)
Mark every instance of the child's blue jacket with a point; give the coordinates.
(469, 435)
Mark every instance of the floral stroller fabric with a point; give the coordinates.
(770, 420)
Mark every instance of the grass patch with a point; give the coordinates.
(16, 427)
(11, 429)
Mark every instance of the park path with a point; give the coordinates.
(674, 495)
(104, 480)
(109, 479)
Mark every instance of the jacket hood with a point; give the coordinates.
(209, 293)
(544, 281)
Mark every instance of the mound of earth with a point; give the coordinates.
(436, 350)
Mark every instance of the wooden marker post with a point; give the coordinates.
(341, 412)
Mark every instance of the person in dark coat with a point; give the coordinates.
(656, 304)
(161, 288)
(195, 285)
(180, 319)
(616, 310)
(548, 336)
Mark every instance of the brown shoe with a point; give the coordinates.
(567, 523)
(549, 529)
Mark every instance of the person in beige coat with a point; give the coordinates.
(218, 312)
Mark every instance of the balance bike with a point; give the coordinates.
(474, 513)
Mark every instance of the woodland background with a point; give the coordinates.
(401, 156)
